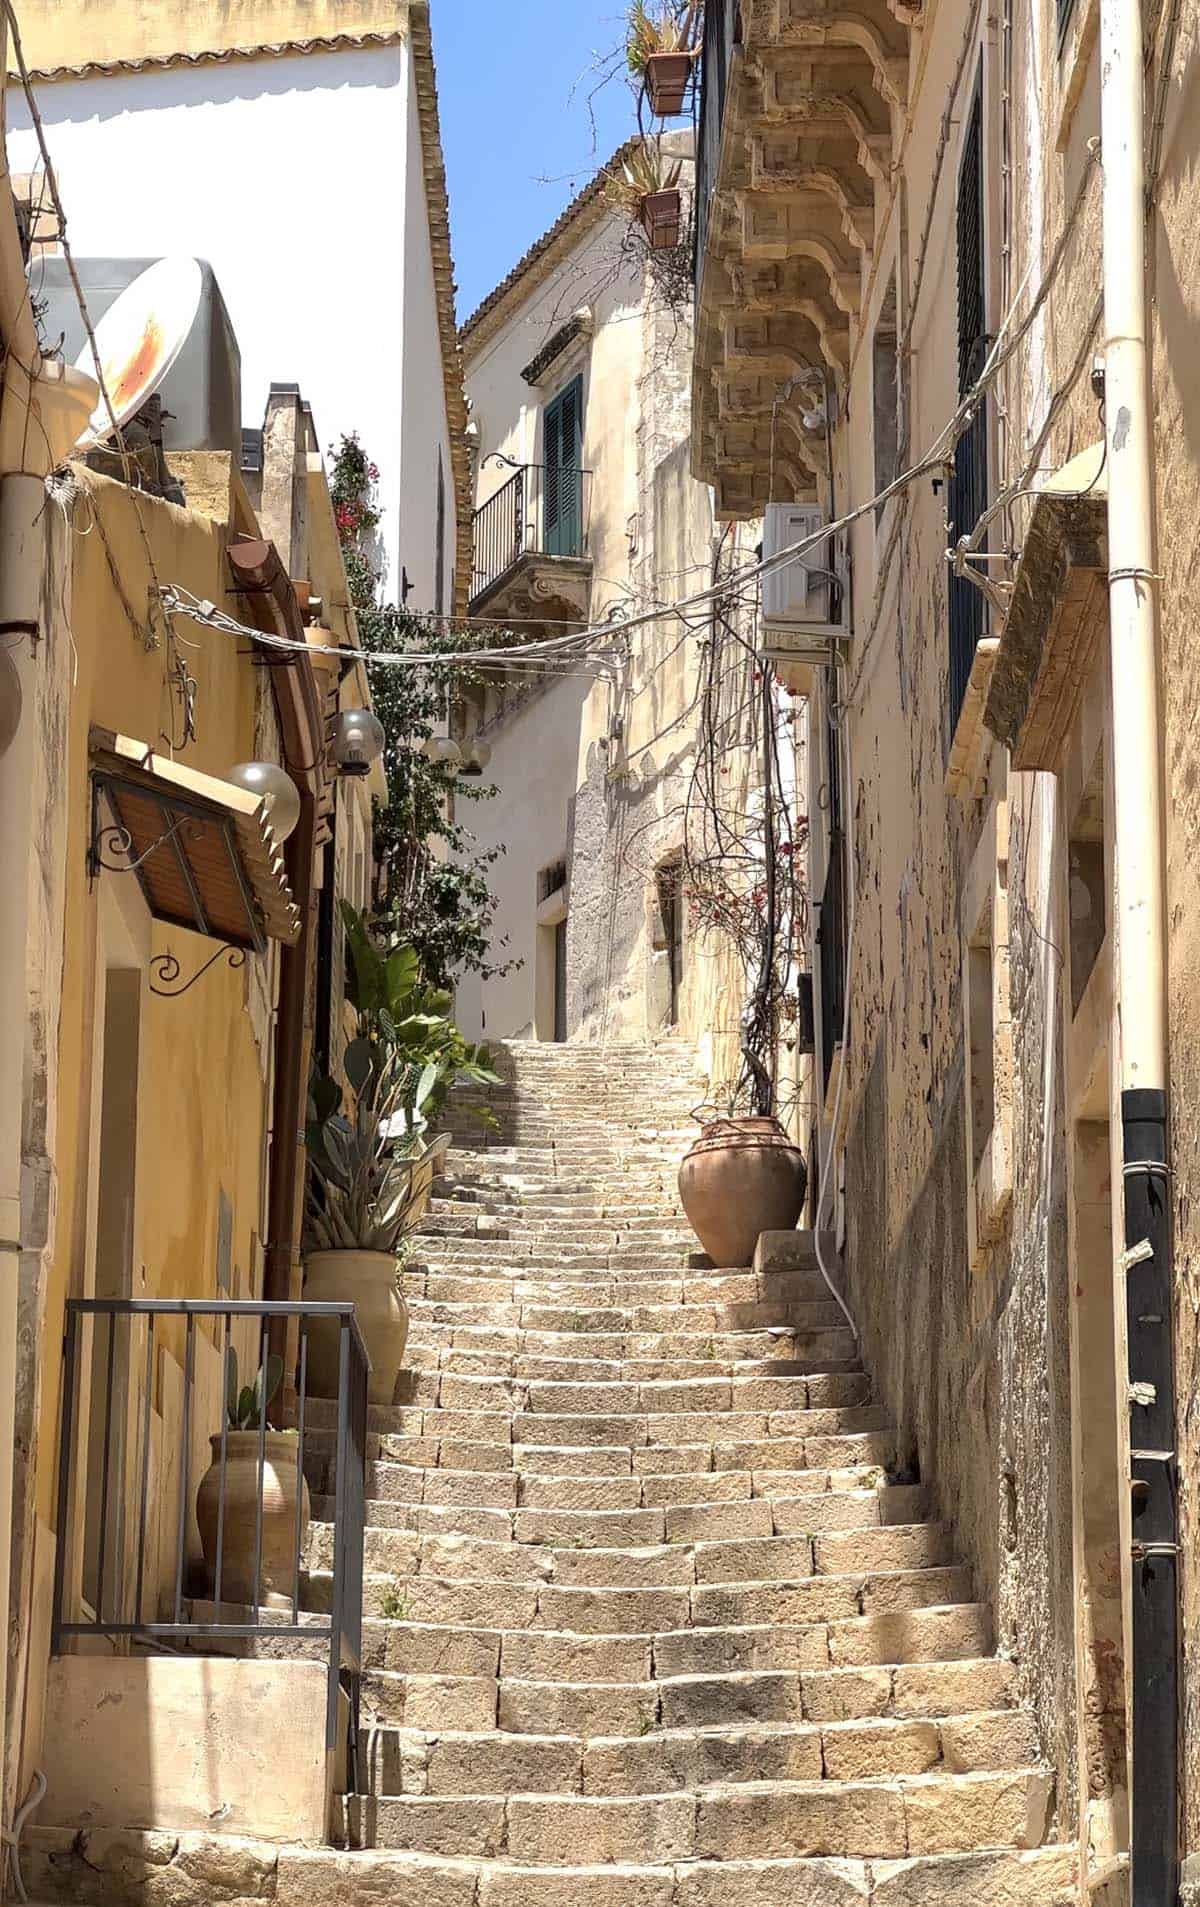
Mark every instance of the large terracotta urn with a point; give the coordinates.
(282, 1484)
(742, 1176)
(370, 1280)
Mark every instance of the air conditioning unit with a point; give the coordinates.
(796, 594)
(800, 598)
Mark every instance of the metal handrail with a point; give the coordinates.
(513, 522)
(126, 1389)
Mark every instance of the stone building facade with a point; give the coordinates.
(597, 764)
(913, 202)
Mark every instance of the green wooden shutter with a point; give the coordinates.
(562, 453)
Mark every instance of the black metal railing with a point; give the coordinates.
(831, 947)
(172, 1536)
(541, 511)
(722, 32)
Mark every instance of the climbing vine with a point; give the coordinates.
(432, 891)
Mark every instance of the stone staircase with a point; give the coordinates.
(650, 1622)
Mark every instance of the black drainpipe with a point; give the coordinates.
(1154, 1826)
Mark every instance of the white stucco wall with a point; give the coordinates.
(534, 763)
(299, 179)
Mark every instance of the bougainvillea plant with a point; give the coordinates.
(432, 891)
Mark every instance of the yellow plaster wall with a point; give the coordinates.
(203, 1083)
(98, 30)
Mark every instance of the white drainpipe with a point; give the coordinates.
(1151, 1523)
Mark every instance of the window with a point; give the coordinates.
(669, 883)
(439, 581)
(968, 483)
(1087, 885)
(562, 457)
(886, 397)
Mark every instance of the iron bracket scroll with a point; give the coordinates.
(166, 969)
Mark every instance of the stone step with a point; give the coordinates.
(701, 1318)
(422, 1359)
(920, 1814)
(656, 1606)
(933, 1661)
(859, 1494)
(439, 1760)
(141, 1868)
(592, 1291)
(511, 1341)
(739, 1521)
(824, 1452)
(404, 1553)
(758, 1396)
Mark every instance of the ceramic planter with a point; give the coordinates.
(282, 1484)
(741, 1177)
(667, 78)
(370, 1280)
(662, 215)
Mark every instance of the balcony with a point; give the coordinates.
(532, 562)
(799, 104)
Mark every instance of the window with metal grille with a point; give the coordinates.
(968, 484)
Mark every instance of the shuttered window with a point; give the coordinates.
(562, 456)
(968, 485)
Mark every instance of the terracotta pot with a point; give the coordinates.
(370, 1281)
(281, 1481)
(662, 214)
(667, 79)
(741, 1177)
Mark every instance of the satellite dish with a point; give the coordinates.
(138, 340)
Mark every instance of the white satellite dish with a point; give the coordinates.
(138, 340)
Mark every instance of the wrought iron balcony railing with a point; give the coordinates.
(178, 1530)
(543, 510)
(722, 32)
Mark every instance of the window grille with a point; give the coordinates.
(968, 484)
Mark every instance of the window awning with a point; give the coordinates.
(202, 849)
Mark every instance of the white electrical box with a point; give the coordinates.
(796, 593)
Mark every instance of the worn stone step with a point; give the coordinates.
(438, 1758)
(141, 1867)
(923, 1814)
(658, 1607)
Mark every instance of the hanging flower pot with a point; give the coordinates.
(741, 1177)
(661, 216)
(668, 76)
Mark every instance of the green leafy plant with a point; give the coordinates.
(642, 173)
(246, 1405)
(433, 891)
(393, 1606)
(406, 1058)
(670, 29)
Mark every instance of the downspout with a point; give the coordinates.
(1141, 972)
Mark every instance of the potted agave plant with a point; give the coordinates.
(372, 1156)
(662, 54)
(649, 189)
(250, 1464)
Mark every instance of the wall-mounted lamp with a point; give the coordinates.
(478, 755)
(358, 741)
(271, 784)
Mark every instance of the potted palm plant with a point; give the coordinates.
(662, 53)
(252, 1465)
(648, 189)
(372, 1154)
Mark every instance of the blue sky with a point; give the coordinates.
(513, 83)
